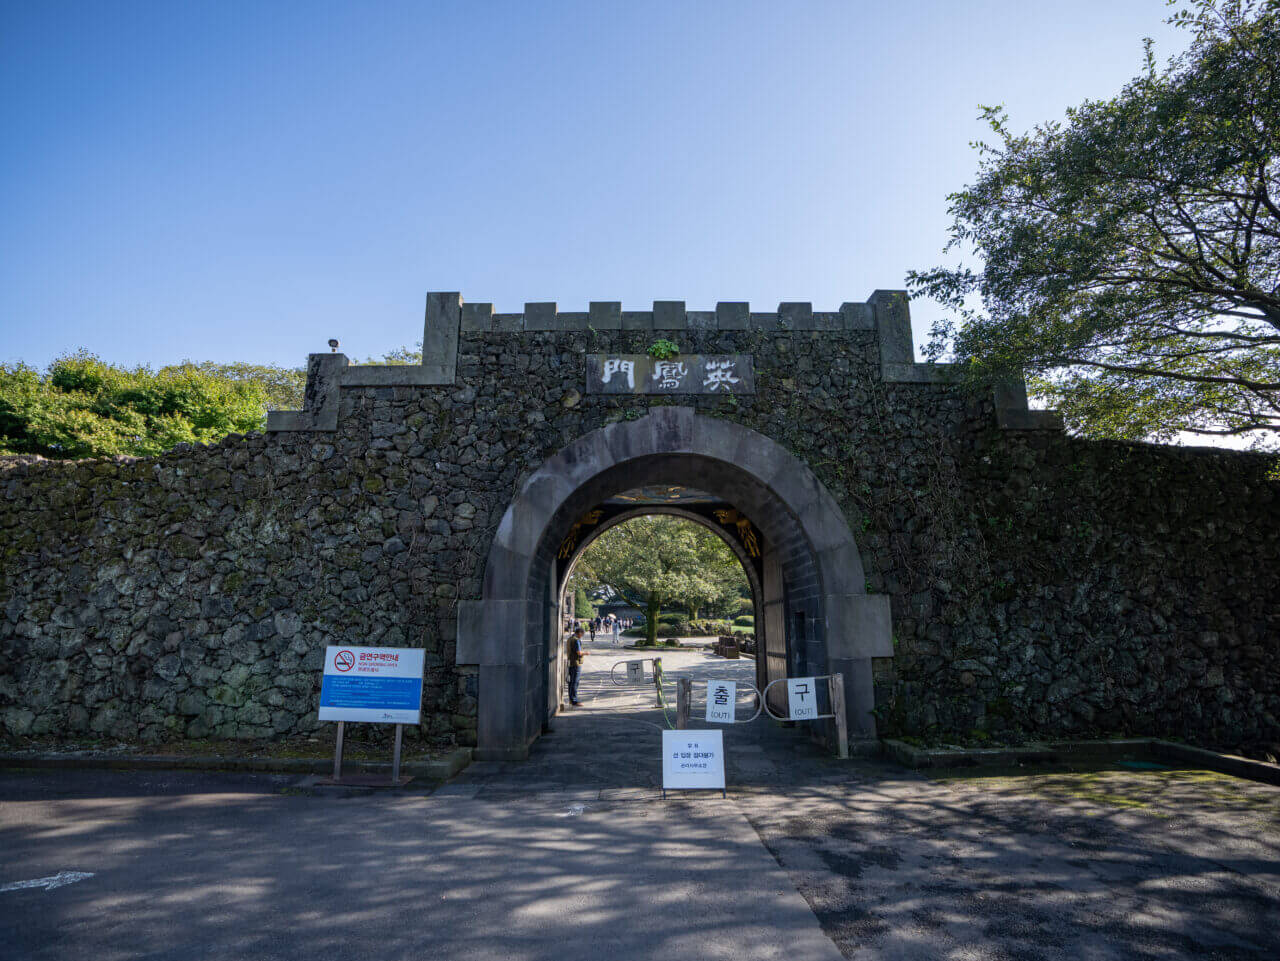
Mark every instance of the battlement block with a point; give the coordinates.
(540, 315)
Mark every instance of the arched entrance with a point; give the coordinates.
(817, 616)
(747, 550)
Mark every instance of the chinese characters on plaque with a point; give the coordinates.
(685, 374)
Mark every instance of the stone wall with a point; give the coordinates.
(1039, 584)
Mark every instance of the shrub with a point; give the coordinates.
(744, 621)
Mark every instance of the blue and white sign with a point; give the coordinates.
(373, 684)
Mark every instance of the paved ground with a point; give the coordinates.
(572, 855)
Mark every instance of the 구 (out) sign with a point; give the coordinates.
(802, 698)
(379, 684)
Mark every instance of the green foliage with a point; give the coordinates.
(745, 620)
(84, 407)
(399, 357)
(659, 559)
(1131, 254)
(582, 603)
(284, 386)
(663, 349)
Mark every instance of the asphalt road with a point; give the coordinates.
(573, 854)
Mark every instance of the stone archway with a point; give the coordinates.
(508, 634)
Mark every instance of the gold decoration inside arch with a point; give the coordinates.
(746, 533)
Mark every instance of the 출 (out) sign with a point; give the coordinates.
(372, 684)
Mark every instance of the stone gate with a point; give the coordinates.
(969, 568)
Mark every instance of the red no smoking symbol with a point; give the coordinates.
(344, 660)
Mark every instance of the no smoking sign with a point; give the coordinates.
(344, 661)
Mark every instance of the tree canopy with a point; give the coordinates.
(661, 560)
(83, 407)
(1131, 253)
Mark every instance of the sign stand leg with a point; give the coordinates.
(337, 754)
(395, 758)
(684, 697)
(841, 717)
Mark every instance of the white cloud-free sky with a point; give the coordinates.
(242, 181)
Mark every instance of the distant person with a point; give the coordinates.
(576, 656)
(591, 626)
(617, 632)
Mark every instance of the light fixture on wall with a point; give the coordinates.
(333, 344)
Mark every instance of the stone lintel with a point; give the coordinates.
(397, 375)
(637, 320)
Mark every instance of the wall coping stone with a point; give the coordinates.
(887, 312)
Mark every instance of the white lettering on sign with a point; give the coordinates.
(669, 373)
(722, 699)
(719, 374)
(625, 368)
(635, 672)
(802, 698)
(693, 759)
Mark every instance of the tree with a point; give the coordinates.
(659, 559)
(284, 386)
(83, 407)
(582, 606)
(1131, 254)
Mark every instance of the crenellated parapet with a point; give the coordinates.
(886, 312)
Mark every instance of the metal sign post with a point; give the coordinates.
(373, 685)
(337, 754)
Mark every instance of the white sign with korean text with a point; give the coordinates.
(693, 759)
(635, 672)
(372, 684)
(722, 697)
(802, 698)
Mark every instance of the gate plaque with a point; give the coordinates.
(682, 374)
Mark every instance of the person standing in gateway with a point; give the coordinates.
(617, 631)
(576, 656)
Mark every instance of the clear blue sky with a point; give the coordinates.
(242, 181)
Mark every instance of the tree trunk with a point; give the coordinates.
(651, 618)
